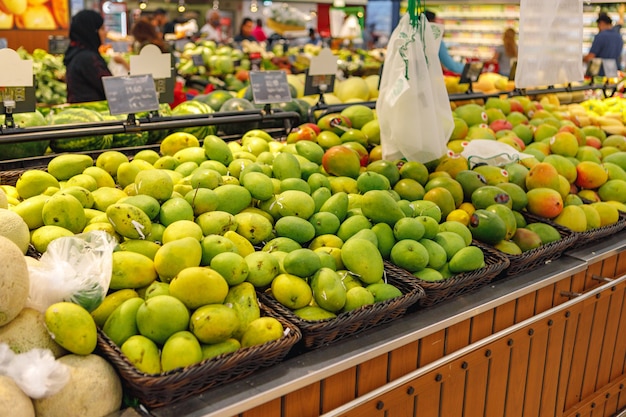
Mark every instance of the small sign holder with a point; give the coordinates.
(130, 94)
(197, 60)
(151, 60)
(470, 74)
(58, 44)
(269, 87)
(17, 81)
(320, 77)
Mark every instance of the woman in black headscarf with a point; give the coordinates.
(85, 67)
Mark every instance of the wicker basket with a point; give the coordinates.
(436, 292)
(169, 387)
(323, 332)
(535, 258)
(594, 235)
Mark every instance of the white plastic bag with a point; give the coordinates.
(38, 373)
(76, 268)
(491, 152)
(413, 105)
(550, 41)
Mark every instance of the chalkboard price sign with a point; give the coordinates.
(197, 59)
(319, 84)
(130, 94)
(270, 87)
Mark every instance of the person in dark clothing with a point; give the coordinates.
(607, 44)
(85, 67)
(245, 32)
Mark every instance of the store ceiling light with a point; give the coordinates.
(143, 5)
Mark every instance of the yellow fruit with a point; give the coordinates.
(14, 281)
(4, 202)
(14, 228)
(467, 207)
(459, 215)
(72, 327)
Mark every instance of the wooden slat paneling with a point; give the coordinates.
(525, 307)
(600, 311)
(499, 363)
(481, 326)
(371, 374)
(609, 266)
(504, 316)
(518, 368)
(403, 360)
(431, 348)
(579, 357)
(620, 265)
(338, 389)
(457, 336)
(544, 300)
(269, 409)
(618, 367)
(536, 368)
(304, 402)
(611, 337)
(556, 338)
(476, 387)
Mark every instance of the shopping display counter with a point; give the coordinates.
(549, 342)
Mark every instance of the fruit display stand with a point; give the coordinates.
(524, 343)
(546, 342)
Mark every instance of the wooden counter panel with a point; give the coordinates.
(555, 366)
(403, 360)
(271, 408)
(338, 389)
(304, 402)
(372, 374)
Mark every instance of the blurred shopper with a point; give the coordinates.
(313, 38)
(607, 44)
(506, 52)
(161, 20)
(444, 56)
(212, 29)
(85, 67)
(145, 33)
(258, 31)
(245, 31)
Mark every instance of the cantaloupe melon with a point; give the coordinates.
(13, 401)
(28, 331)
(94, 390)
(14, 281)
(13, 227)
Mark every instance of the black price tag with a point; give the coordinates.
(23, 98)
(130, 94)
(197, 60)
(312, 84)
(58, 44)
(471, 72)
(270, 87)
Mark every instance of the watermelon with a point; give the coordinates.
(233, 105)
(215, 99)
(24, 149)
(190, 107)
(155, 136)
(125, 140)
(86, 143)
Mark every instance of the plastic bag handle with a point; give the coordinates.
(415, 9)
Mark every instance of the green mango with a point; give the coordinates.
(328, 290)
(244, 301)
(380, 207)
(362, 257)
